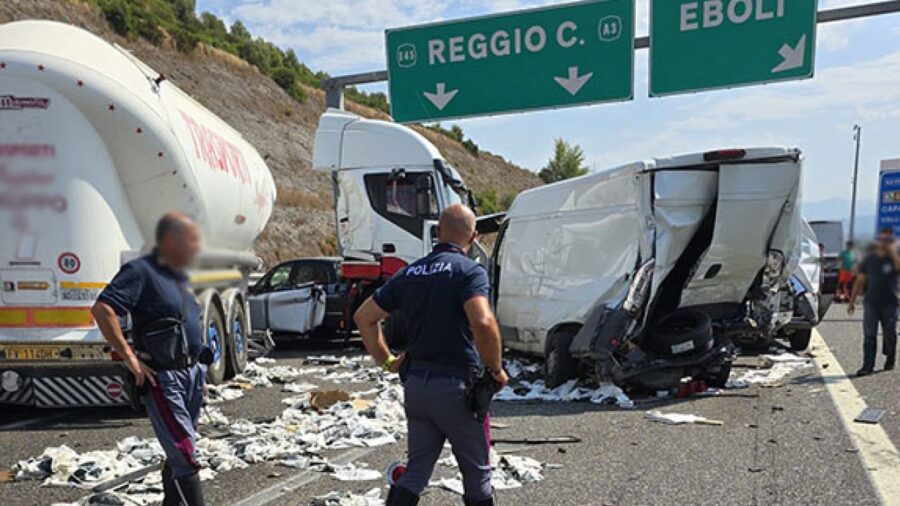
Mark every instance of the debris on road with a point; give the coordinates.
(571, 391)
(870, 416)
(510, 471)
(776, 369)
(679, 418)
(324, 399)
(370, 498)
(351, 472)
(310, 424)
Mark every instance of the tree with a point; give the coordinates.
(567, 162)
(239, 31)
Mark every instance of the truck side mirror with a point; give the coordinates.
(424, 197)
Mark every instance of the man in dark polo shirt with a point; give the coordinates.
(155, 289)
(452, 334)
(878, 276)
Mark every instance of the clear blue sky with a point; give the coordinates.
(857, 81)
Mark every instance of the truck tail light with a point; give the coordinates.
(724, 155)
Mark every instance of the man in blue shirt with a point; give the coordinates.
(152, 289)
(452, 335)
(878, 276)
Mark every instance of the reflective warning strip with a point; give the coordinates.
(79, 317)
(82, 284)
(65, 391)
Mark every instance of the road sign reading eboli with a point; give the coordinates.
(704, 44)
(540, 58)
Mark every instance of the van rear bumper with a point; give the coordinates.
(54, 385)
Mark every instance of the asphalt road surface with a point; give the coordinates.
(794, 444)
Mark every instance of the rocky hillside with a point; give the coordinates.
(281, 128)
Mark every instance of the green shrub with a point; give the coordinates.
(118, 15)
(152, 19)
(185, 41)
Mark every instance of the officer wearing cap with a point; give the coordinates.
(452, 335)
(167, 348)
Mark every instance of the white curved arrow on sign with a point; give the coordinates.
(793, 56)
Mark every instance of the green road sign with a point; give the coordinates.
(548, 57)
(703, 44)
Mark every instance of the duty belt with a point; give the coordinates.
(460, 371)
(148, 359)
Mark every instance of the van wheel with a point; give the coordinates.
(800, 339)
(214, 336)
(238, 333)
(560, 366)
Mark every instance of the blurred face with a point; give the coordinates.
(180, 248)
(883, 241)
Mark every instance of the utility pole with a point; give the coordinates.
(857, 134)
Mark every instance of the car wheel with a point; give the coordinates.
(559, 366)
(214, 336)
(680, 332)
(800, 339)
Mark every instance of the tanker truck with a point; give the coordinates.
(94, 147)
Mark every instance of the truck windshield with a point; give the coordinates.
(457, 193)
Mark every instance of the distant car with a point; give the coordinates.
(301, 298)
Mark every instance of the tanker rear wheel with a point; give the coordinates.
(214, 336)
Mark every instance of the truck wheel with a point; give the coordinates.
(800, 339)
(395, 333)
(559, 366)
(238, 334)
(214, 336)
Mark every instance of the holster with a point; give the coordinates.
(480, 389)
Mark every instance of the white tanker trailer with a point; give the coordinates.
(94, 147)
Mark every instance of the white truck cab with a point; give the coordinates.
(390, 184)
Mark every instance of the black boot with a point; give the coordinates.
(399, 496)
(170, 493)
(189, 490)
(889, 363)
(490, 501)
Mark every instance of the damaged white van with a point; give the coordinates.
(646, 273)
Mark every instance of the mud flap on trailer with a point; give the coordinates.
(65, 387)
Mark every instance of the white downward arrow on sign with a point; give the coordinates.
(793, 57)
(574, 82)
(442, 97)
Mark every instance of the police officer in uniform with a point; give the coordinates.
(452, 334)
(154, 289)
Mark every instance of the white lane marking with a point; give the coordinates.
(291, 484)
(31, 421)
(878, 454)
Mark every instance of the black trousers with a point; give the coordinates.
(873, 315)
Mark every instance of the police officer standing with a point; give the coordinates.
(167, 344)
(452, 335)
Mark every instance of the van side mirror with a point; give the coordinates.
(424, 197)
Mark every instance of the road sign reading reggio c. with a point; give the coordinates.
(704, 44)
(540, 58)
